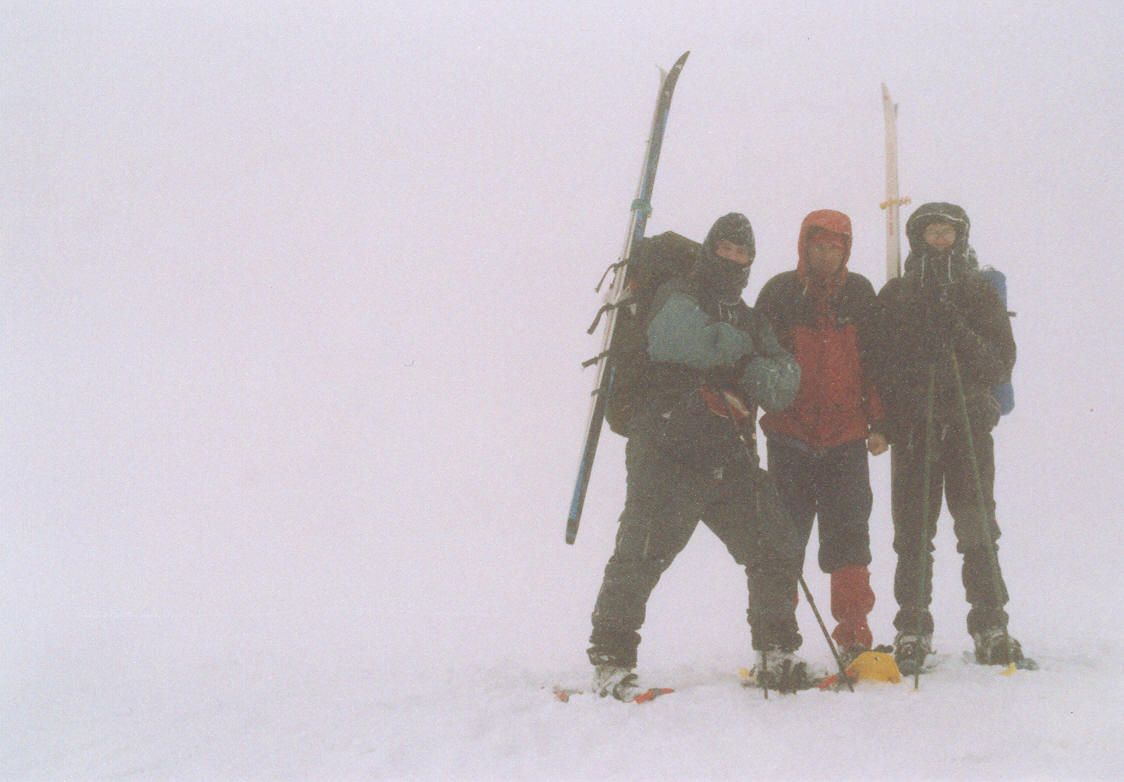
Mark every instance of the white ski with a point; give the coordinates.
(893, 200)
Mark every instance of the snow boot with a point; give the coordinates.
(995, 647)
(783, 671)
(615, 681)
(910, 651)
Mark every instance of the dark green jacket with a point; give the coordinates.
(694, 336)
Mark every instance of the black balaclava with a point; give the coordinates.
(725, 278)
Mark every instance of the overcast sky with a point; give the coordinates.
(294, 294)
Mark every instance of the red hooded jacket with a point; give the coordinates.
(829, 326)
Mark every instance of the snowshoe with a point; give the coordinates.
(910, 651)
(996, 647)
(615, 681)
(783, 671)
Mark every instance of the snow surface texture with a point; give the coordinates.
(293, 301)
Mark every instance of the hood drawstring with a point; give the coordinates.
(728, 312)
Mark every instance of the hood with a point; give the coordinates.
(826, 220)
(924, 261)
(733, 227)
(724, 278)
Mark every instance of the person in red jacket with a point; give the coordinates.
(827, 318)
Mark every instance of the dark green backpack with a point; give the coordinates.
(654, 261)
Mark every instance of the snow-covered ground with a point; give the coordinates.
(292, 299)
(125, 704)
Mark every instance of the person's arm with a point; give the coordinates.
(681, 333)
(772, 376)
(869, 318)
(983, 339)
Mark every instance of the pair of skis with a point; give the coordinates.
(638, 220)
(894, 201)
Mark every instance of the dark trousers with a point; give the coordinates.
(666, 500)
(833, 485)
(976, 530)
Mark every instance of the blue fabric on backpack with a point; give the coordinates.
(1005, 393)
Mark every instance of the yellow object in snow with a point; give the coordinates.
(874, 667)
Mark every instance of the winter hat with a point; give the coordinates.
(922, 260)
(734, 228)
(725, 277)
(937, 212)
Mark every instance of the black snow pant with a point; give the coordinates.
(833, 485)
(666, 499)
(976, 538)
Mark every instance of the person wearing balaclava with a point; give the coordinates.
(943, 307)
(712, 362)
(827, 316)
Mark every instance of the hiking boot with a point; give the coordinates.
(615, 681)
(995, 647)
(910, 651)
(784, 671)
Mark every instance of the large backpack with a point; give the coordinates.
(653, 262)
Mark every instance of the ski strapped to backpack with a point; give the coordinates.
(638, 220)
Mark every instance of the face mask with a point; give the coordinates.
(725, 277)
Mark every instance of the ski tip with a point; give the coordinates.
(651, 694)
(563, 693)
(674, 69)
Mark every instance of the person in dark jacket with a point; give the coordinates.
(945, 329)
(712, 359)
(827, 317)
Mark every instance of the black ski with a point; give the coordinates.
(641, 208)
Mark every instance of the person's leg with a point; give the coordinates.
(793, 473)
(845, 501)
(662, 508)
(750, 518)
(977, 532)
(914, 532)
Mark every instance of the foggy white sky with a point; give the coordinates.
(294, 295)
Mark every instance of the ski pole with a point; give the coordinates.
(827, 636)
(750, 459)
(926, 472)
(992, 557)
